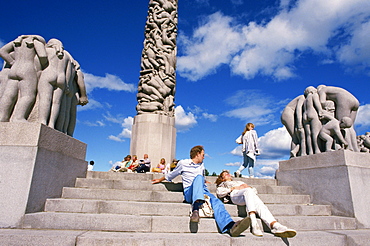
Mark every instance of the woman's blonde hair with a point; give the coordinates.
(220, 178)
(248, 127)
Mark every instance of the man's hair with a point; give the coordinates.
(195, 150)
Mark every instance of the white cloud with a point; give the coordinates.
(126, 128)
(115, 138)
(237, 151)
(96, 123)
(110, 82)
(267, 171)
(210, 46)
(271, 48)
(357, 51)
(275, 144)
(269, 163)
(233, 164)
(252, 106)
(211, 117)
(115, 119)
(363, 116)
(200, 113)
(184, 121)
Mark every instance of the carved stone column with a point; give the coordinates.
(154, 132)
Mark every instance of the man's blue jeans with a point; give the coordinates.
(197, 190)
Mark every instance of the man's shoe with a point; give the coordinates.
(194, 216)
(240, 226)
(237, 174)
(282, 231)
(256, 230)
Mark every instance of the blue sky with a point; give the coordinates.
(239, 61)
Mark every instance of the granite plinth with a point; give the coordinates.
(155, 135)
(338, 178)
(36, 163)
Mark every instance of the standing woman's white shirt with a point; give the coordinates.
(250, 141)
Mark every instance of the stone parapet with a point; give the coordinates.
(36, 163)
(337, 178)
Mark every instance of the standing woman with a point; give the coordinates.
(250, 150)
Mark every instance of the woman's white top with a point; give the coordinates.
(250, 141)
(224, 188)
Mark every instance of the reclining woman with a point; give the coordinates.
(242, 194)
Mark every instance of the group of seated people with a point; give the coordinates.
(164, 167)
(142, 166)
(132, 165)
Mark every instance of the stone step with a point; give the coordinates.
(151, 176)
(16, 237)
(168, 224)
(177, 209)
(164, 186)
(163, 196)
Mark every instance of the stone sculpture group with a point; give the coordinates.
(363, 142)
(156, 89)
(40, 79)
(321, 120)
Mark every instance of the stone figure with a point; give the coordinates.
(75, 95)
(331, 129)
(36, 69)
(363, 142)
(4, 77)
(322, 120)
(291, 118)
(25, 55)
(156, 89)
(311, 111)
(53, 82)
(346, 106)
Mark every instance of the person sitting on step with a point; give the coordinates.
(144, 165)
(192, 172)
(242, 194)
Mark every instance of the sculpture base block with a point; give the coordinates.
(36, 163)
(155, 135)
(339, 178)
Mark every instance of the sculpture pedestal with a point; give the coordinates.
(339, 178)
(36, 163)
(155, 135)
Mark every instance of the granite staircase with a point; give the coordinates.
(126, 209)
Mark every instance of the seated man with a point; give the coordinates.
(192, 173)
(144, 165)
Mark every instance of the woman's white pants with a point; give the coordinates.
(250, 199)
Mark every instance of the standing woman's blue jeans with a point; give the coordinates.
(248, 163)
(197, 190)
